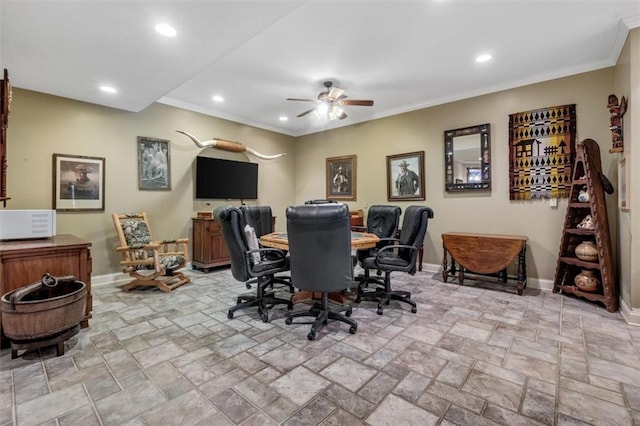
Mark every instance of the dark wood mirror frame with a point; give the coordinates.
(479, 166)
(5, 100)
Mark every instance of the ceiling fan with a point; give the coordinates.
(330, 102)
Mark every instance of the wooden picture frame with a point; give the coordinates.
(341, 178)
(623, 184)
(78, 183)
(405, 176)
(154, 164)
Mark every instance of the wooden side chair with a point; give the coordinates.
(150, 263)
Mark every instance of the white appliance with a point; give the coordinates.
(26, 224)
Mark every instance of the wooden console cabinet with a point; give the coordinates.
(26, 261)
(209, 248)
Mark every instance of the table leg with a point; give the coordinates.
(445, 267)
(522, 270)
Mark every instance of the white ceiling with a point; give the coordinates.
(405, 55)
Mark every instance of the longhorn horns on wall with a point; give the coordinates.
(227, 145)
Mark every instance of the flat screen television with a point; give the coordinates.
(226, 179)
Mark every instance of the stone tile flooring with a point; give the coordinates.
(471, 355)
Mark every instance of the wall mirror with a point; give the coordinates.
(467, 159)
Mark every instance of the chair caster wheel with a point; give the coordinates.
(348, 312)
(352, 330)
(264, 316)
(414, 310)
(248, 286)
(230, 315)
(288, 321)
(311, 335)
(387, 302)
(379, 311)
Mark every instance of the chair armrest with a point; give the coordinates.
(396, 246)
(174, 241)
(150, 246)
(265, 267)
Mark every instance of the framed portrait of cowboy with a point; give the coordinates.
(341, 178)
(78, 183)
(405, 176)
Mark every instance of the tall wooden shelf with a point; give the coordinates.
(587, 174)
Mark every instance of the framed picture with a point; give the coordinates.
(623, 184)
(78, 183)
(405, 176)
(341, 178)
(154, 165)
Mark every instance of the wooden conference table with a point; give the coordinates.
(359, 240)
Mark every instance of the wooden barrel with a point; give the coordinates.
(43, 308)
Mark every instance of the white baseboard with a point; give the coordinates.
(630, 315)
(103, 280)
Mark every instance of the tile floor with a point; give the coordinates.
(470, 356)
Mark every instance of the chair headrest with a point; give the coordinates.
(309, 213)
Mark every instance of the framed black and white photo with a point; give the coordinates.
(405, 176)
(341, 178)
(154, 165)
(78, 183)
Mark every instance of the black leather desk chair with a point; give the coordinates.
(382, 220)
(260, 218)
(246, 264)
(400, 256)
(320, 249)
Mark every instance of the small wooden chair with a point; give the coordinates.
(150, 263)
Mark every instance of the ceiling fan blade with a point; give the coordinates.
(303, 100)
(335, 93)
(302, 114)
(356, 102)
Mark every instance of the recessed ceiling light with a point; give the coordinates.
(108, 89)
(218, 98)
(283, 118)
(483, 58)
(166, 30)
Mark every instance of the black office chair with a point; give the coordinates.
(260, 218)
(400, 256)
(260, 263)
(382, 220)
(320, 249)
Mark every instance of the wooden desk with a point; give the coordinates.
(25, 261)
(484, 254)
(359, 240)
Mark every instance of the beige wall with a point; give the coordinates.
(627, 83)
(41, 125)
(486, 213)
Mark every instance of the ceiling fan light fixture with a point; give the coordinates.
(336, 113)
(166, 30)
